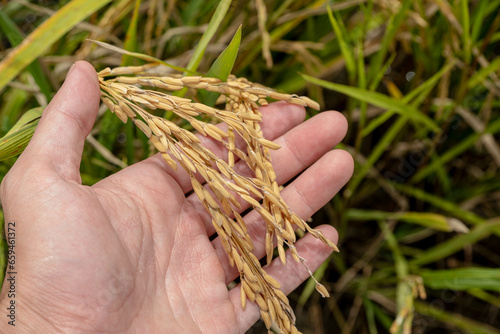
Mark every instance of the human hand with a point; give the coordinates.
(132, 253)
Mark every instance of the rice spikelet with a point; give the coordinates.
(224, 189)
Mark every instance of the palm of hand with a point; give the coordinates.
(140, 260)
(132, 253)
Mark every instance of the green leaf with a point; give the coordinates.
(456, 243)
(440, 203)
(370, 316)
(477, 19)
(12, 106)
(42, 38)
(466, 37)
(376, 99)
(463, 279)
(141, 56)
(346, 50)
(404, 295)
(417, 95)
(18, 137)
(222, 67)
(131, 36)
(214, 24)
(456, 320)
(426, 219)
(480, 76)
(15, 36)
(457, 149)
(392, 28)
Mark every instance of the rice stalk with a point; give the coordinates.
(223, 189)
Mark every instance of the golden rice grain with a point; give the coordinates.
(261, 302)
(269, 247)
(272, 311)
(248, 291)
(121, 115)
(267, 320)
(268, 143)
(156, 142)
(126, 97)
(143, 127)
(250, 200)
(169, 161)
(272, 281)
(281, 252)
(243, 298)
(322, 290)
(171, 81)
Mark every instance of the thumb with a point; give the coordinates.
(60, 135)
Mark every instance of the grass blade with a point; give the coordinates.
(141, 56)
(454, 319)
(376, 99)
(15, 36)
(441, 203)
(214, 24)
(16, 140)
(404, 295)
(426, 219)
(12, 107)
(131, 36)
(457, 243)
(391, 30)
(463, 279)
(480, 76)
(370, 316)
(45, 35)
(344, 47)
(222, 67)
(466, 38)
(377, 153)
(459, 148)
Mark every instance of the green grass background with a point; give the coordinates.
(419, 83)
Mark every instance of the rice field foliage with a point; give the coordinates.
(418, 82)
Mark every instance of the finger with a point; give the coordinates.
(305, 195)
(290, 276)
(277, 118)
(60, 136)
(304, 145)
(300, 147)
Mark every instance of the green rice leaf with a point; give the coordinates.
(15, 36)
(466, 37)
(214, 24)
(392, 28)
(466, 325)
(346, 50)
(376, 99)
(481, 75)
(141, 56)
(440, 203)
(456, 243)
(131, 36)
(427, 219)
(460, 147)
(18, 137)
(42, 38)
(463, 279)
(222, 67)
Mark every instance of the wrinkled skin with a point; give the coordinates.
(132, 253)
